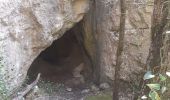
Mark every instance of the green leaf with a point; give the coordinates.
(148, 75)
(154, 95)
(163, 89)
(162, 78)
(154, 86)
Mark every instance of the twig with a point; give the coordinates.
(28, 88)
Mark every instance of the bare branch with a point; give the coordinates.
(28, 88)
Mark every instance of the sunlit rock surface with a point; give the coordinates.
(29, 26)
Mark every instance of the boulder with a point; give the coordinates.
(27, 27)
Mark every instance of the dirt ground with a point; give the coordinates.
(46, 90)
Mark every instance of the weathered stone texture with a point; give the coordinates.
(29, 26)
(101, 30)
(101, 27)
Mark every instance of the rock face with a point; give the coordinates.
(100, 33)
(29, 26)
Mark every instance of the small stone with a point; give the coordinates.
(22, 98)
(104, 86)
(69, 89)
(94, 88)
(85, 91)
(36, 89)
(82, 99)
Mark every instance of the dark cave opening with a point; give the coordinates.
(61, 62)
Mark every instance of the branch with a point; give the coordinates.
(28, 88)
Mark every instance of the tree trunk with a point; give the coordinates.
(158, 54)
(159, 21)
(119, 50)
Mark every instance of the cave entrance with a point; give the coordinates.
(61, 62)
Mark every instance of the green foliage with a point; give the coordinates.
(154, 87)
(162, 78)
(154, 95)
(157, 85)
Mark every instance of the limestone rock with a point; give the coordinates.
(94, 88)
(100, 32)
(85, 91)
(69, 89)
(104, 86)
(27, 27)
(77, 71)
(100, 38)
